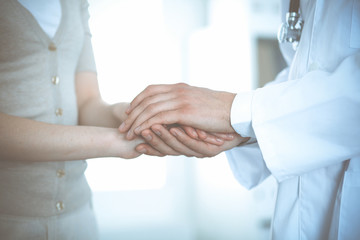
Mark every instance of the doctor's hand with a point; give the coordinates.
(175, 141)
(179, 103)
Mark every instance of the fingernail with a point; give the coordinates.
(142, 150)
(174, 132)
(157, 132)
(193, 132)
(129, 135)
(137, 130)
(128, 110)
(122, 126)
(231, 136)
(219, 140)
(147, 137)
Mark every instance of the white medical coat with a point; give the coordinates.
(307, 127)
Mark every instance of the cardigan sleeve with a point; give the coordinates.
(86, 60)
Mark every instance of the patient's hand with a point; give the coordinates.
(179, 140)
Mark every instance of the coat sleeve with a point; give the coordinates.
(247, 165)
(309, 123)
(246, 162)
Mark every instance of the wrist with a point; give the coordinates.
(116, 145)
(228, 100)
(97, 142)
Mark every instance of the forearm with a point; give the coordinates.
(93, 111)
(28, 140)
(96, 112)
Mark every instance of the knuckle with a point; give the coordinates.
(146, 103)
(151, 108)
(180, 91)
(149, 89)
(182, 85)
(161, 117)
(151, 86)
(184, 111)
(155, 144)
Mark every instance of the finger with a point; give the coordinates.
(202, 134)
(190, 131)
(210, 138)
(150, 91)
(226, 136)
(147, 92)
(148, 150)
(159, 113)
(167, 117)
(147, 103)
(157, 143)
(172, 141)
(144, 113)
(203, 148)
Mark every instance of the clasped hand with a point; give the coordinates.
(179, 119)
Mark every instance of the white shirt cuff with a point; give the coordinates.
(241, 119)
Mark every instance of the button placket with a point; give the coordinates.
(59, 171)
(60, 187)
(55, 81)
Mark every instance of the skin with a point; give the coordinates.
(96, 134)
(176, 141)
(27, 140)
(199, 108)
(183, 105)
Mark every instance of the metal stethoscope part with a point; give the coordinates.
(290, 31)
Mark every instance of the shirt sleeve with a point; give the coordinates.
(86, 61)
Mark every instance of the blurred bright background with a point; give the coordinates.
(220, 44)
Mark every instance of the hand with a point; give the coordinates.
(179, 103)
(177, 142)
(119, 146)
(212, 138)
(205, 148)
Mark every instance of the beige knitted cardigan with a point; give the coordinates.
(37, 82)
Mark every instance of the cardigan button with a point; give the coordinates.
(60, 173)
(60, 206)
(52, 47)
(59, 112)
(55, 80)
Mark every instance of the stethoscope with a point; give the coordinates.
(290, 31)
